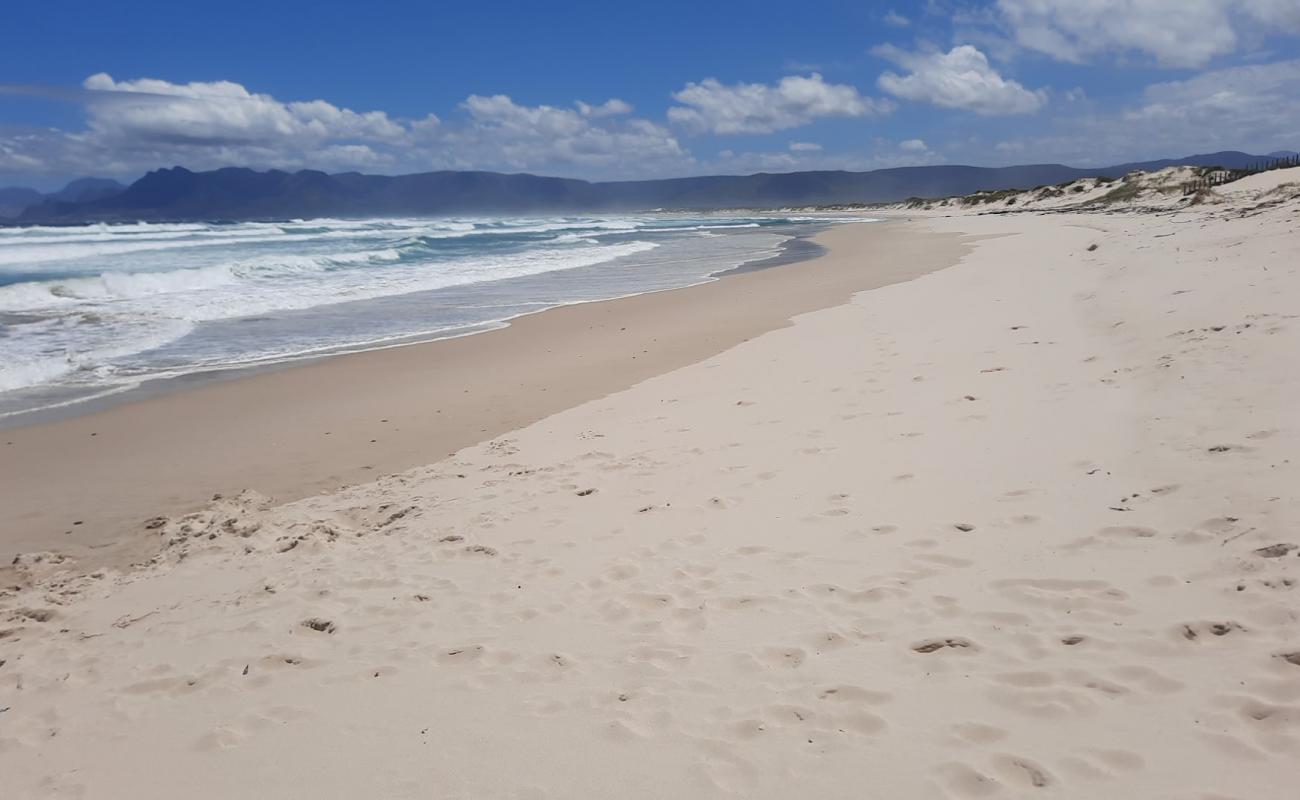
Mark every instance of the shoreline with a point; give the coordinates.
(799, 247)
(288, 431)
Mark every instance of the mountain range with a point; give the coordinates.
(235, 193)
(17, 199)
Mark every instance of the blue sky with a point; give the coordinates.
(608, 90)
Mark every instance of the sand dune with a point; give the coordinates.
(1265, 181)
(1021, 527)
(1162, 190)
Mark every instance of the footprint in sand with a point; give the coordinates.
(978, 733)
(1022, 773)
(785, 657)
(1127, 532)
(1098, 764)
(1206, 630)
(964, 781)
(725, 771)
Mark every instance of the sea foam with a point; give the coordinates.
(88, 308)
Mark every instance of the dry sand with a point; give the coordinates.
(86, 486)
(1018, 528)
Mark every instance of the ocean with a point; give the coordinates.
(91, 311)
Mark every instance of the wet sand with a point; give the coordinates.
(85, 486)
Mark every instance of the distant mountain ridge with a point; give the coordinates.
(236, 193)
(17, 199)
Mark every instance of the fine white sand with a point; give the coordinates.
(1264, 181)
(994, 532)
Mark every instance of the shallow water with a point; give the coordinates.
(93, 310)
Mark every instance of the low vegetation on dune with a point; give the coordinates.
(1164, 189)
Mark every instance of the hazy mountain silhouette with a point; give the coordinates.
(236, 193)
(17, 199)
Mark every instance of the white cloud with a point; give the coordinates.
(503, 133)
(876, 153)
(896, 20)
(961, 78)
(1233, 107)
(1176, 33)
(714, 107)
(804, 147)
(221, 112)
(1250, 108)
(758, 162)
(1285, 14)
(907, 153)
(351, 157)
(610, 108)
(879, 154)
(137, 125)
(500, 113)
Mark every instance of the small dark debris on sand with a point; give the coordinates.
(933, 645)
(319, 625)
(1276, 550)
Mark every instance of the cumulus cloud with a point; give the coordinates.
(713, 107)
(961, 78)
(1176, 33)
(804, 147)
(221, 112)
(896, 20)
(1249, 108)
(136, 125)
(610, 108)
(877, 153)
(504, 133)
(1285, 14)
(1238, 106)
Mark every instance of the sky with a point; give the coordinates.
(608, 91)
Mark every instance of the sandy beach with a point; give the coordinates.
(86, 484)
(972, 506)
